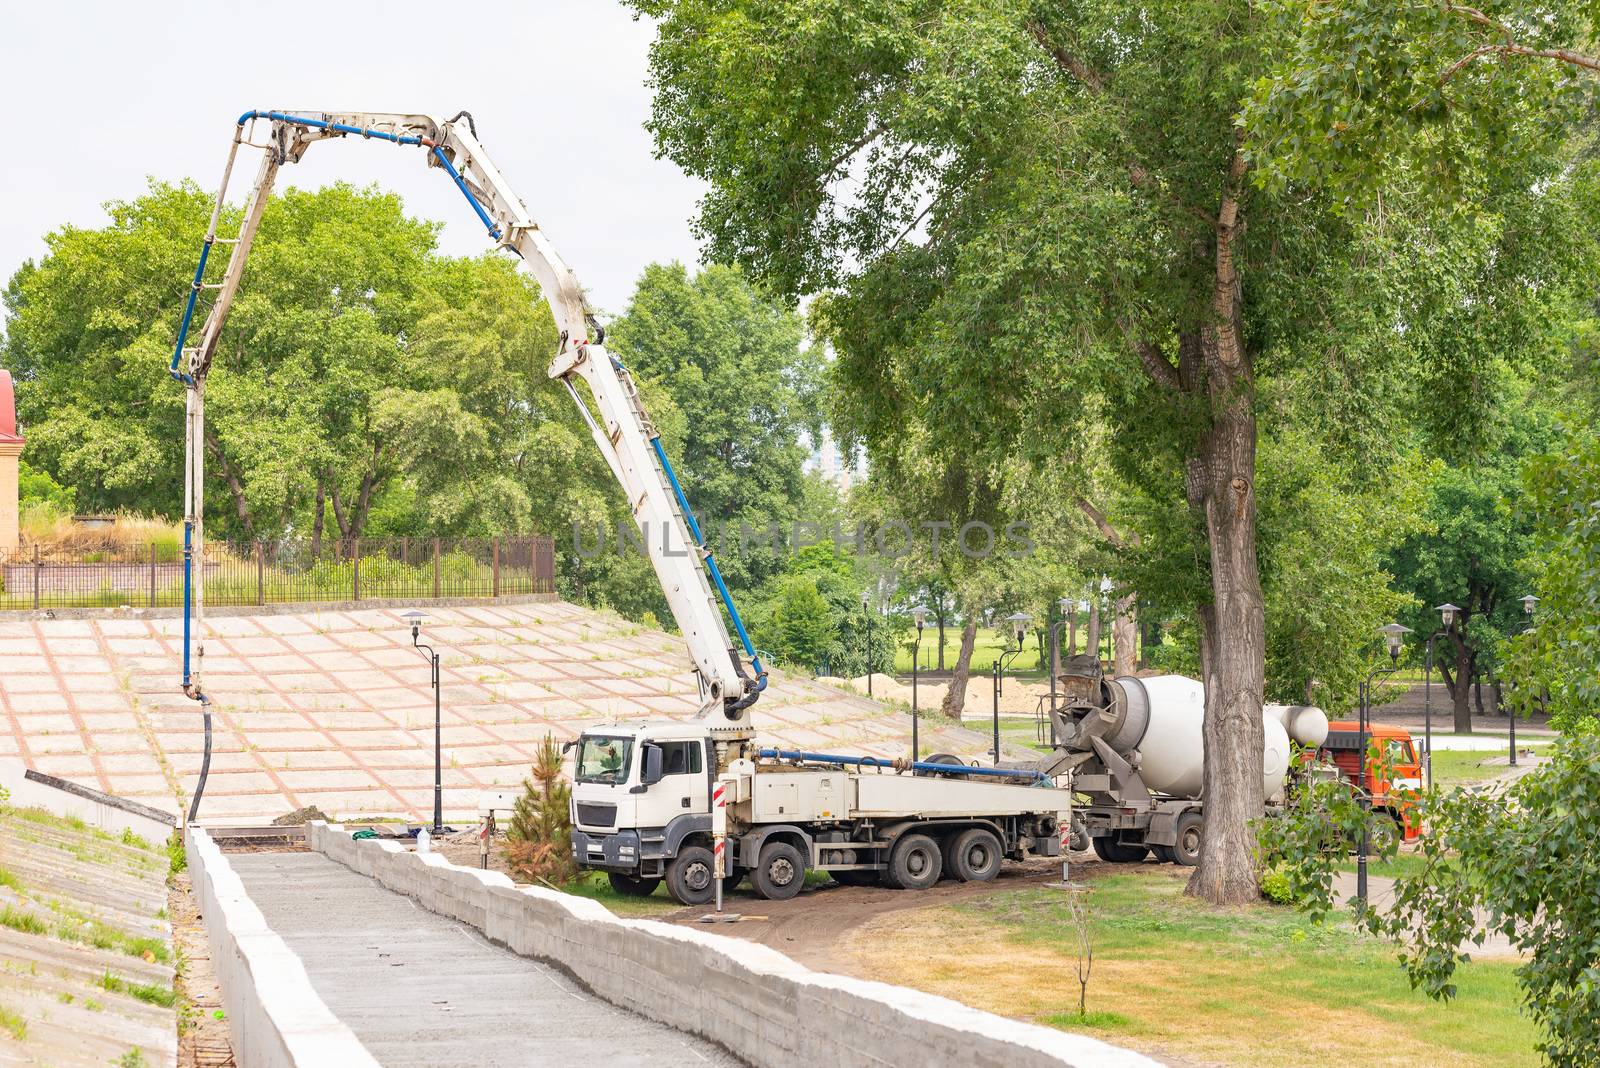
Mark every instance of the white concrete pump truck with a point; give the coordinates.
(696, 803)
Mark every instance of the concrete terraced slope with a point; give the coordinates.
(333, 708)
(86, 962)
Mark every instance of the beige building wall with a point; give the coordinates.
(10, 457)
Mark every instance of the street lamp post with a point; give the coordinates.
(1394, 638)
(415, 618)
(1447, 612)
(1529, 603)
(866, 635)
(920, 615)
(1019, 626)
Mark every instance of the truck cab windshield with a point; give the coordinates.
(604, 760)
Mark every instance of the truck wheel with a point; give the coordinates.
(975, 856)
(732, 880)
(780, 873)
(1386, 831)
(1114, 852)
(1163, 854)
(1191, 839)
(915, 863)
(689, 876)
(632, 885)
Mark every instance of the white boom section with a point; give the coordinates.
(623, 431)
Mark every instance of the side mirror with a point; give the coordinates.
(650, 772)
(568, 746)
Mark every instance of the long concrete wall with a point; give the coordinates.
(276, 1018)
(754, 1001)
(33, 789)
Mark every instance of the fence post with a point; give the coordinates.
(36, 575)
(152, 574)
(435, 569)
(355, 569)
(497, 567)
(261, 573)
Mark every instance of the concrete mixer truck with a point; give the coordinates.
(1134, 747)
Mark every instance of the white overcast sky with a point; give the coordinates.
(103, 95)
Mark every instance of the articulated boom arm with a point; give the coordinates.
(622, 431)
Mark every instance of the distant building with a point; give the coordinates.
(827, 461)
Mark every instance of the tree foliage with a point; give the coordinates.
(1032, 218)
(539, 840)
(1525, 864)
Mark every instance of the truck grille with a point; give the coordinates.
(596, 815)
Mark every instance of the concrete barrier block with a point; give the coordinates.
(276, 1018)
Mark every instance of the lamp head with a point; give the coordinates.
(1394, 636)
(1065, 604)
(866, 600)
(1019, 624)
(1448, 612)
(1529, 603)
(920, 614)
(414, 618)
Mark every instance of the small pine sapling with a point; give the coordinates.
(539, 840)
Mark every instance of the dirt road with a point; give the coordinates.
(814, 928)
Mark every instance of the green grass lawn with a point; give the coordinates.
(989, 644)
(1457, 767)
(1261, 985)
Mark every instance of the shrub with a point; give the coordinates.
(539, 846)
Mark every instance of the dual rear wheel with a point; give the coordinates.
(917, 861)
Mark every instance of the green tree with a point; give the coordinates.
(1470, 553)
(37, 487)
(1059, 188)
(539, 840)
(732, 361)
(358, 368)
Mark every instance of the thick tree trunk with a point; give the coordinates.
(1091, 639)
(1221, 486)
(1072, 633)
(955, 698)
(1457, 680)
(1125, 636)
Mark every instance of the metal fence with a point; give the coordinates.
(258, 573)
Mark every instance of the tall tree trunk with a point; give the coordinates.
(1091, 639)
(318, 516)
(955, 698)
(241, 505)
(1457, 679)
(941, 621)
(1221, 487)
(1125, 636)
(1072, 632)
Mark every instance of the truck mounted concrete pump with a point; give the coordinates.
(696, 802)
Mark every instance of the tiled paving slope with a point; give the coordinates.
(333, 708)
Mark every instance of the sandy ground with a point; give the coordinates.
(204, 1039)
(814, 927)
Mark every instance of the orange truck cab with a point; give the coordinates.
(1391, 795)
